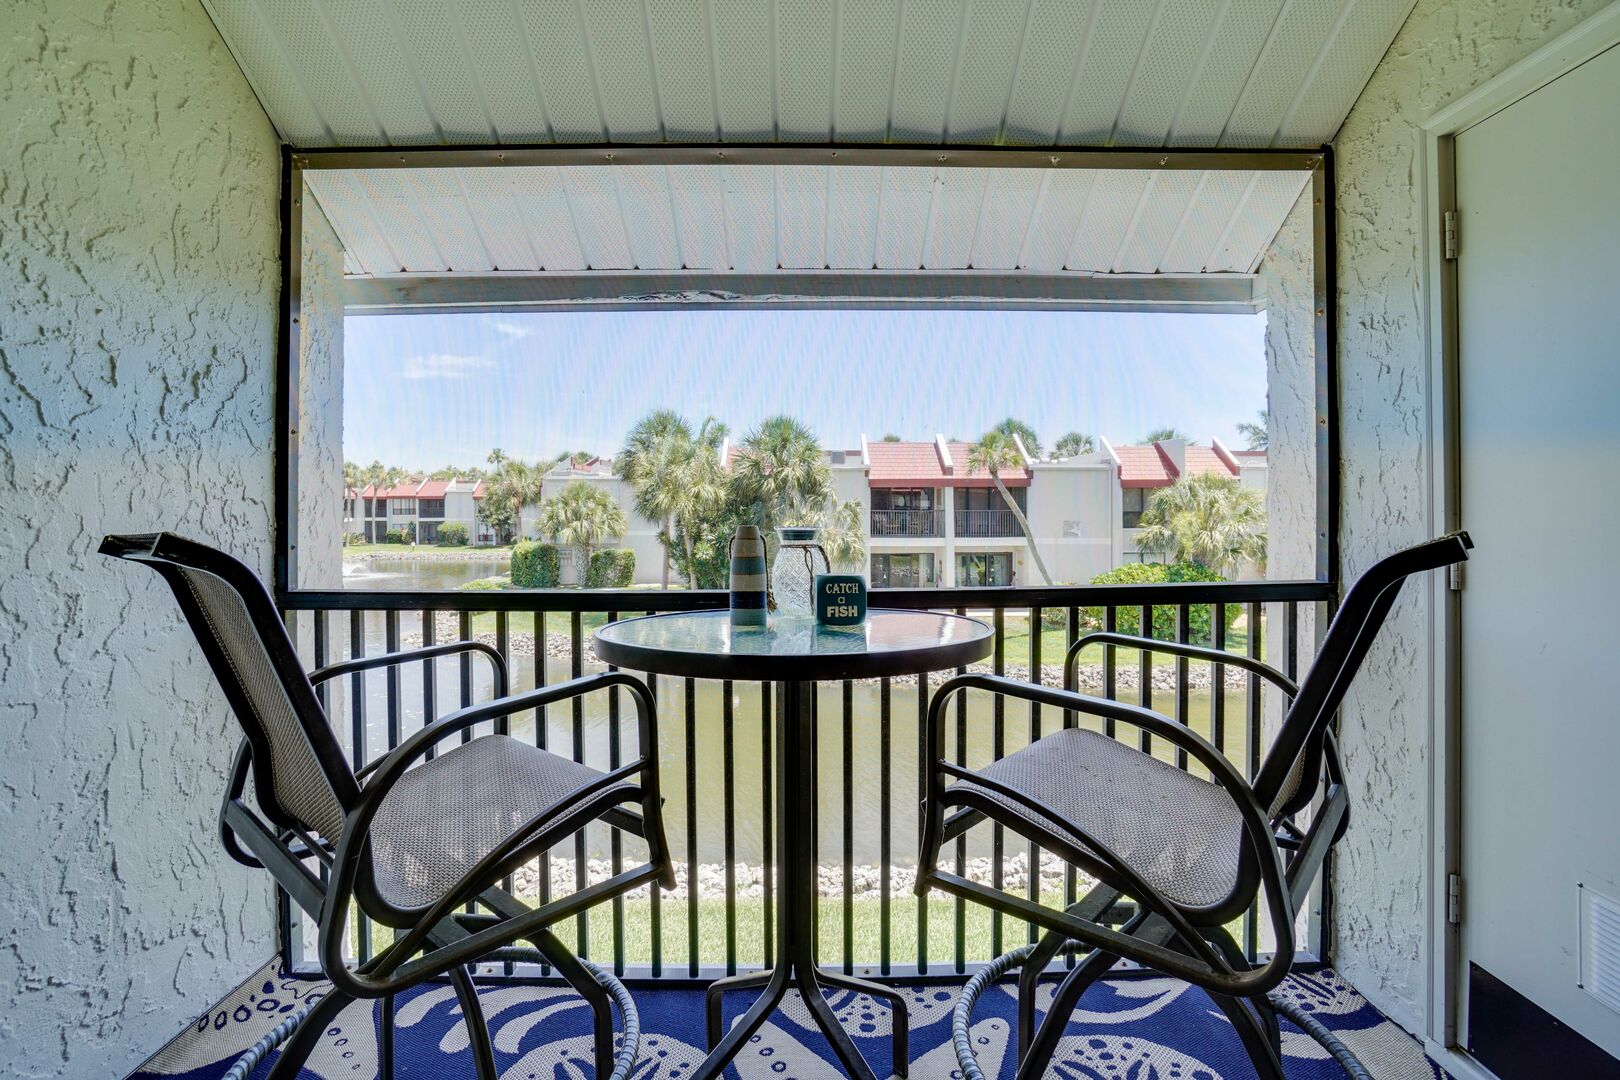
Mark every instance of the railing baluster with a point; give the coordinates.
(959, 940)
(1183, 698)
(576, 640)
(922, 780)
(655, 895)
(320, 656)
(542, 733)
(430, 682)
(728, 749)
(1037, 675)
(615, 837)
(998, 750)
(1071, 878)
(767, 816)
(391, 676)
(1217, 682)
(849, 827)
(1144, 689)
(465, 631)
(885, 822)
(691, 829)
(357, 748)
(1251, 918)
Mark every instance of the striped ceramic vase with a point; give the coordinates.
(748, 584)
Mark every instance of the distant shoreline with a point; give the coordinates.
(430, 553)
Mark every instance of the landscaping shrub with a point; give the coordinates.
(397, 536)
(485, 584)
(351, 539)
(453, 534)
(1200, 617)
(536, 566)
(611, 569)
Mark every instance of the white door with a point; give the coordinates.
(1538, 196)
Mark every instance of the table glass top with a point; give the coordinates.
(886, 633)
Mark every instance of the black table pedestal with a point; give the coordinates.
(796, 885)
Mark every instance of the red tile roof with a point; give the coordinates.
(433, 489)
(918, 464)
(1150, 466)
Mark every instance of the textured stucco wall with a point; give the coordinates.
(1446, 48)
(138, 227)
(320, 408)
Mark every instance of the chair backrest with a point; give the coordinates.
(300, 777)
(1292, 769)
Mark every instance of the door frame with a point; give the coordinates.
(1594, 35)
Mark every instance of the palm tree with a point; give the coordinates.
(843, 535)
(1013, 426)
(1074, 444)
(675, 474)
(515, 486)
(891, 437)
(1168, 434)
(994, 452)
(1208, 519)
(1258, 435)
(781, 470)
(582, 516)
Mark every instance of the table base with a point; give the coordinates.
(796, 880)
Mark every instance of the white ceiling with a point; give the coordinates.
(1228, 73)
(1231, 74)
(762, 218)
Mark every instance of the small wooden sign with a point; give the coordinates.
(840, 599)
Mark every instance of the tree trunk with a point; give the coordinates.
(1023, 523)
(691, 563)
(669, 538)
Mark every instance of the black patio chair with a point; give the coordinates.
(417, 838)
(1177, 857)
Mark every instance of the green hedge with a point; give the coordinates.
(536, 566)
(453, 534)
(611, 569)
(1200, 617)
(398, 536)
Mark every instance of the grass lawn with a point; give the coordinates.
(426, 551)
(865, 920)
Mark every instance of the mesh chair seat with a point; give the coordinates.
(1182, 834)
(446, 814)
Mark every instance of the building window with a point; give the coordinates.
(403, 507)
(907, 571)
(1133, 502)
(431, 508)
(984, 568)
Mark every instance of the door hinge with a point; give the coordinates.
(1454, 899)
(1454, 577)
(1451, 234)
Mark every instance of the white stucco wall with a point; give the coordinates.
(320, 405)
(1446, 48)
(138, 229)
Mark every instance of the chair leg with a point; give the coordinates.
(472, 1014)
(585, 984)
(714, 1001)
(1029, 976)
(296, 1050)
(385, 1040)
(1033, 1064)
(1256, 1039)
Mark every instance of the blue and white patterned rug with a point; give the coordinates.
(1126, 1029)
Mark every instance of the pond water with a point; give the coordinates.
(695, 753)
(388, 575)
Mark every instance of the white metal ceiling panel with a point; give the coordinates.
(1235, 73)
(699, 196)
(549, 217)
(594, 198)
(649, 216)
(1009, 206)
(954, 219)
(762, 218)
(853, 196)
(801, 199)
(1058, 210)
(902, 227)
(491, 199)
(751, 216)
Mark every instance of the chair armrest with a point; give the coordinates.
(1175, 648)
(408, 656)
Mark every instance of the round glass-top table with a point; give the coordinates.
(795, 653)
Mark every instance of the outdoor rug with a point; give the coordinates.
(1126, 1029)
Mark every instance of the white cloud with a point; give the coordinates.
(445, 366)
(513, 329)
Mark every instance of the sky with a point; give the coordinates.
(425, 391)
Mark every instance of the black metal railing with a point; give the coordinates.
(922, 523)
(987, 523)
(716, 755)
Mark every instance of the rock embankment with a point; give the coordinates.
(866, 880)
(1127, 673)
